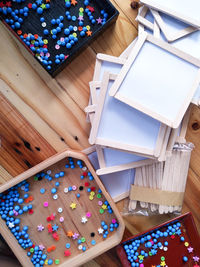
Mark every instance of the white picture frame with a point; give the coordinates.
(158, 55)
(151, 143)
(183, 10)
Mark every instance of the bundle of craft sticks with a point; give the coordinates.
(140, 106)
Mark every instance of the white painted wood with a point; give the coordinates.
(183, 10)
(161, 62)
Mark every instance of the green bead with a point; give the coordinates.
(82, 239)
(32, 250)
(80, 13)
(98, 195)
(150, 254)
(57, 261)
(101, 211)
(162, 258)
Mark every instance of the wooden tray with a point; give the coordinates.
(176, 248)
(72, 218)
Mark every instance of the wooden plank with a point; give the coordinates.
(193, 135)
(20, 140)
(4, 175)
(27, 84)
(49, 134)
(117, 37)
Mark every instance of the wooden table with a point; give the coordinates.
(40, 116)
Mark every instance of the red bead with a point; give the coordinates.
(67, 253)
(85, 174)
(30, 211)
(93, 188)
(86, 184)
(29, 5)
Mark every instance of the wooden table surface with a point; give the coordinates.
(40, 116)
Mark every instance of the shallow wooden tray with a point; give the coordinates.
(72, 217)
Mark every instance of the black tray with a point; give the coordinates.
(31, 24)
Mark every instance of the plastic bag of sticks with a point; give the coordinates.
(159, 188)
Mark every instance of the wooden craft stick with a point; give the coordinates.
(104, 57)
(90, 109)
(101, 158)
(162, 156)
(126, 166)
(97, 117)
(171, 37)
(184, 125)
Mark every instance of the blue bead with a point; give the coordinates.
(185, 259)
(82, 33)
(62, 173)
(78, 195)
(57, 184)
(68, 45)
(54, 31)
(182, 238)
(53, 190)
(57, 175)
(17, 25)
(67, 4)
(46, 32)
(25, 208)
(39, 10)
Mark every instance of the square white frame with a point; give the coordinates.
(125, 178)
(168, 35)
(93, 139)
(178, 10)
(105, 169)
(115, 90)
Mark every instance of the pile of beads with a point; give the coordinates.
(157, 242)
(75, 19)
(56, 184)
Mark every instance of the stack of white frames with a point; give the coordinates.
(139, 103)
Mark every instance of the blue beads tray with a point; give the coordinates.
(55, 31)
(174, 243)
(59, 213)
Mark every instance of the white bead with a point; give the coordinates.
(65, 190)
(49, 172)
(165, 248)
(44, 24)
(80, 247)
(60, 210)
(55, 196)
(84, 169)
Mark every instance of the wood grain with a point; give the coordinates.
(53, 108)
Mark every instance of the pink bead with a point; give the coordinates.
(46, 204)
(62, 39)
(88, 214)
(114, 221)
(142, 265)
(100, 203)
(47, 55)
(31, 45)
(57, 47)
(42, 54)
(61, 219)
(73, 187)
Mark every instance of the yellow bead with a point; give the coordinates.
(186, 244)
(91, 198)
(33, 41)
(74, 34)
(46, 262)
(104, 206)
(45, 41)
(81, 9)
(92, 193)
(88, 27)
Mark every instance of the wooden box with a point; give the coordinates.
(78, 184)
(34, 23)
(173, 252)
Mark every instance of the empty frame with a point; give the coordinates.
(119, 126)
(158, 80)
(180, 9)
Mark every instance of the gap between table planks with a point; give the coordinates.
(54, 109)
